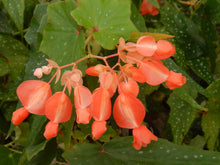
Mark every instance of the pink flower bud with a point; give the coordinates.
(38, 73)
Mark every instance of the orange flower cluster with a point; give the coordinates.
(142, 65)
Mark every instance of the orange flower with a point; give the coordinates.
(155, 72)
(175, 80)
(142, 137)
(58, 109)
(100, 110)
(148, 8)
(33, 94)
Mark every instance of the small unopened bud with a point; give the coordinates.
(46, 69)
(38, 73)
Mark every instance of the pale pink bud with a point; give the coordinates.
(46, 69)
(38, 73)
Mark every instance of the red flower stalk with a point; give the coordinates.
(33, 95)
(58, 109)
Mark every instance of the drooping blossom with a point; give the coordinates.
(175, 80)
(100, 110)
(58, 109)
(148, 8)
(33, 95)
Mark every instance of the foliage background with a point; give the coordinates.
(187, 119)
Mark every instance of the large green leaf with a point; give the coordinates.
(61, 39)
(110, 20)
(5, 27)
(32, 34)
(15, 9)
(120, 151)
(211, 119)
(7, 157)
(185, 30)
(181, 116)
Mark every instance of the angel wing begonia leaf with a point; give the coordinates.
(101, 16)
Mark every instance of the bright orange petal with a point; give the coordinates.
(165, 49)
(108, 81)
(146, 46)
(96, 70)
(83, 116)
(58, 108)
(101, 104)
(137, 75)
(33, 94)
(128, 111)
(82, 97)
(51, 130)
(129, 87)
(142, 137)
(175, 80)
(155, 72)
(98, 129)
(19, 115)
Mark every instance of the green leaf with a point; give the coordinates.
(198, 142)
(33, 150)
(210, 120)
(15, 53)
(15, 9)
(4, 67)
(137, 19)
(185, 30)
(109, 19)
(67, 129)
(184, 95)
(181, 116)
(7, 157)
(201, 67)
(5, 27)
(61, 39)
(120, 151)
(189, 82)
(45, 156)
(32, 33)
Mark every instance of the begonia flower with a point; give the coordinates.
(148, 8)
(33, 95)
(175, 80)
(58, 109)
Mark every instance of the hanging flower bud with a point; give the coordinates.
(175, 80)
(129, 87)
(83, 115)
(98, 129)
(82, 97)
(19, 115)
(142, 137)
(38, 72)
(58, 109)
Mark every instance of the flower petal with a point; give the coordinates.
(33, 94)
(51, 130)
(146, 46)
(142, 136)
(98, 129)
(58, 108)
(19, 115)
(155, 72)
(165, 49)
(175, 80)
(128, 111)
(101, 104)
(82, 97)
(83, 115)
(129, 87)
